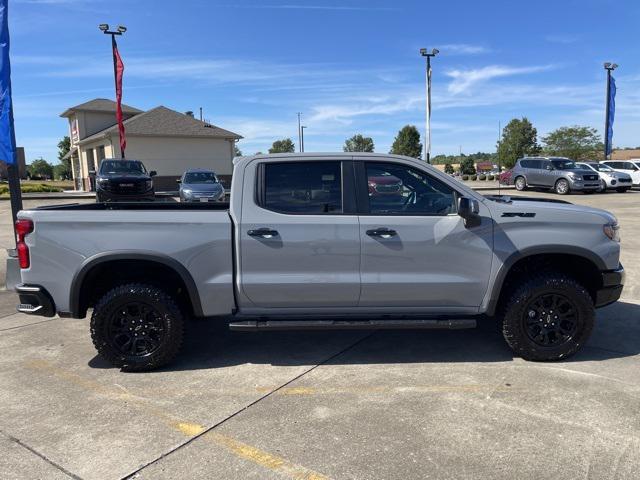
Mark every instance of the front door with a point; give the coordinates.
(299, 236)
(416, 250)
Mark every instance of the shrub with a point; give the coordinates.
(482, 177)
(465, 177)
(30, 188)
(491, 177)
(448, 168)
(473, 177)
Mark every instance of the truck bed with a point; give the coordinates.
(217, 206)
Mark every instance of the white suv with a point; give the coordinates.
(632, 167)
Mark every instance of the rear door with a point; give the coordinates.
(299, 235)
(416, 251)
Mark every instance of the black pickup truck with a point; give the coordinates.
(123, 180)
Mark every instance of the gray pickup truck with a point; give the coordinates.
(323, 241)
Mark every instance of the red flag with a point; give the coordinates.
(119, 68)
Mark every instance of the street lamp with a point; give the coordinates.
(302, 127)
(427, 133)
(104, 28)
(609, 67)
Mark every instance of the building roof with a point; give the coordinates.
(164, 122)
(100, 105)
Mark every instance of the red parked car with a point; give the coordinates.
(505, 177)
(385, 185)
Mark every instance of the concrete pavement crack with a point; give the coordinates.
(255, 402)
(38, 454)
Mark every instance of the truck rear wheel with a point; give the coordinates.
(549, 317)
(137, 327)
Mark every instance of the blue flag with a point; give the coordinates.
(612, 113)
(7, 133)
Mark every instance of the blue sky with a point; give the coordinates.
(349, 66)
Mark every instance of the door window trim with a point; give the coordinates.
(347, 183)
(362, 192)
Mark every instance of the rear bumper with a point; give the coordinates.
(35, 300)
(612, 285)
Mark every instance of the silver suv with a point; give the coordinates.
(558, 173)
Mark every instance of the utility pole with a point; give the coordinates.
(427, 128)
(609, 67)
(200, 113)
(299, 133)
(302, 127)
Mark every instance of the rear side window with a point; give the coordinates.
(311, 188)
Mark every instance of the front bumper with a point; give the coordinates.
(203, 197)
(35, 300)
(581, 186)
(612, 284)
(107, 196)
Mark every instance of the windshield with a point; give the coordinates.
(200, 177)
(601, 168)
(121, 166)
(564, 164)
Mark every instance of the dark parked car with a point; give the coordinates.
(200, 186)
(124, 181)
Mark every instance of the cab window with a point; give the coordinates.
(311, 188)
(396, 189)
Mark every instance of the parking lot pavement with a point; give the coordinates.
(319, 405)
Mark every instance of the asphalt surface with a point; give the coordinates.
(318, 405)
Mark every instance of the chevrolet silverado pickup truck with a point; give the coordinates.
(304, 244)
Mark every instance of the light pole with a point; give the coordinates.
(299, 133)
(609, 67)
(114, 48)
(302, 127)
(427, 132)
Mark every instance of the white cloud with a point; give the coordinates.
(463, 80)
(463, 49)
(562, 38)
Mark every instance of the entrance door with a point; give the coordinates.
(300, 242)
(416, 250)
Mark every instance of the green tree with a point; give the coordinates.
(576, 143)
(62, 170)
(519, 138)
(448, 168)
(358, 143)
(40, 168)
(236, 151)
(467, 166)
(407, 142)
(283, 146)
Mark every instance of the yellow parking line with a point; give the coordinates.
(264, 459)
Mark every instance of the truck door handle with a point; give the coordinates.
(382, 232)
(263, 233)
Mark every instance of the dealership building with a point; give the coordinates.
(166, 141)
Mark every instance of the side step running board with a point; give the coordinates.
(254, 325)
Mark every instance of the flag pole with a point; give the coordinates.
(7, 130)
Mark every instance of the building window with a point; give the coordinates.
(100, 153)
(91, 162)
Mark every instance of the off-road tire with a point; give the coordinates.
(559, 189)
(167, 315)
(522, 185)
(515, 313)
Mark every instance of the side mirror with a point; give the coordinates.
(153, 173)
(469, 210)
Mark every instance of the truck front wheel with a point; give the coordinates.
(549, 317)
(137, 327)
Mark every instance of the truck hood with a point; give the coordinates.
(525, 205)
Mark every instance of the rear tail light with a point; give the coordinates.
(24, 226)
